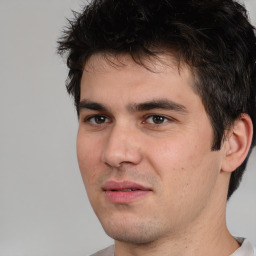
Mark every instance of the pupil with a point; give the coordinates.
(158, 119)
(99, 119)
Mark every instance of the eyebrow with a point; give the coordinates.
(86, 104)
(157, 104)
(137, 107)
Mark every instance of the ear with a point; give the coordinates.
(237, 143)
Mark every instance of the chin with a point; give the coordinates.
(136, 233)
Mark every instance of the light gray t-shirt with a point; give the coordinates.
(246, 249)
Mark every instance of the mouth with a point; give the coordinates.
(124, 192)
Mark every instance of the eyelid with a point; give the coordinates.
(88, 119)
(161, 115)
(168, 118)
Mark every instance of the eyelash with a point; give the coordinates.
(163, 119)
(88, 119)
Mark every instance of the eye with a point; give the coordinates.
(97, 119)
(156, 119)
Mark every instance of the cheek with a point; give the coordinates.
(173, 154)
(183, 164)
(188, 174)
(88, 155)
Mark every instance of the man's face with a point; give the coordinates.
(144, 149)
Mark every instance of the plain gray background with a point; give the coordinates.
(43, 204)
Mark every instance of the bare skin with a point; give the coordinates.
(144, 151)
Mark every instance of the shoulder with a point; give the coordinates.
(109, 251)
(246, 248)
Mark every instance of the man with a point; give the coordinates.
(165, 95)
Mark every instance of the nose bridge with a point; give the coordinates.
(122, 146)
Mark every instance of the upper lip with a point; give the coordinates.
(121, 185)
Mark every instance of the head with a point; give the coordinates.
(128, 59)
(214, 38)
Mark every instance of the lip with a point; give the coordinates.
(124, 191)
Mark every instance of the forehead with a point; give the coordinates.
(160, 63)
(116, 73)
(166, 63)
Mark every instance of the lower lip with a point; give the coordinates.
(125, 197)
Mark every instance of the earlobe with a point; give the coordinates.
(237, 143)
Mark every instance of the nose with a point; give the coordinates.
(122, 146)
